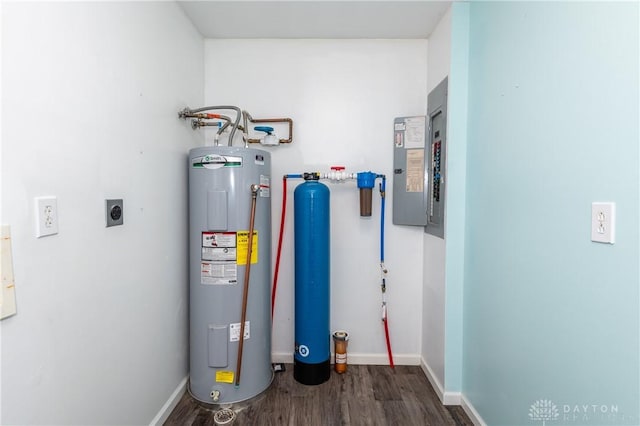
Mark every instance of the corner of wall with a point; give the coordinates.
(456, 196)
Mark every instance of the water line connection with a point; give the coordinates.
(200, 119)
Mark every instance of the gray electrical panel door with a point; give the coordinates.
(409, 185)
(435, 152)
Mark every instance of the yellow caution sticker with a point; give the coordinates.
(224, 376)
(243, 246)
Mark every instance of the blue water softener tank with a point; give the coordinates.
(311, 361)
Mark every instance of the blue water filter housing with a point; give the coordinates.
(312, 285)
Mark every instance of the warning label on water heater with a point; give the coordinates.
(224, 376)
(243, 247)
(234, 331)
(218, 264)
(222, 252)
(219, 254)
(218, 239)
(265, 186)
(213, 273)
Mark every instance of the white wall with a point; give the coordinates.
(89, 111)
(342, 96)
(433, 301)
(439, 55)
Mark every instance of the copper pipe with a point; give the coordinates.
(271, 120)
(247, 274)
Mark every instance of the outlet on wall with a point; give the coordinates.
(603, 222)
(114, 212)
(46, 216)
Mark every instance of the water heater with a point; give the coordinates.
(220, 205)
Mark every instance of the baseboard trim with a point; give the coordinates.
(471, 412)
(447, 398)
(358, 358)
(171, 403)
(451, 398)
(437, 386)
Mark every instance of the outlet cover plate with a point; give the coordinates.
(114, 212)
(46, 216)
(603, 222)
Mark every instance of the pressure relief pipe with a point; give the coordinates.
(247, 275)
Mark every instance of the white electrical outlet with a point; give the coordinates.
(46, 216)
(603, 221)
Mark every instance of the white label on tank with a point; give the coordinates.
(218, 239)
(219, 253)
(234, 331)
(223, 273)
(265, 187)
(214, 161)
(209, 161)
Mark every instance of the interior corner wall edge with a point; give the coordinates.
(89, 112)
(455, 223)
(433, 298)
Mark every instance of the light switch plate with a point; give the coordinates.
(603, 222)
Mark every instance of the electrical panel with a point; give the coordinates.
(435, 153)
(409, 184)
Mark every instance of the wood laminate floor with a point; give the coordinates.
(364, 395)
